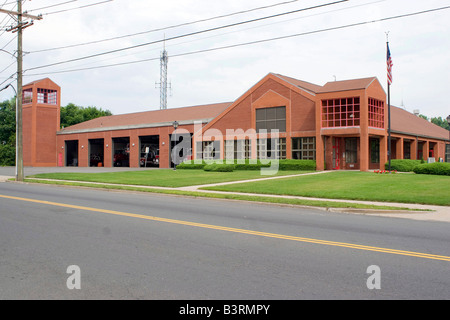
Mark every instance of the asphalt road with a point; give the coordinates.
(145, 246)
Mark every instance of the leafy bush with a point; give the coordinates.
(285, 164)
(403, 165)
(191, 165)
(250, 165)
(7, 155)
(291, 164)
(437, 168)
(215, 167)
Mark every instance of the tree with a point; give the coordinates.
(70, 115)
(439, 121)
(8, 132)
(73, 114)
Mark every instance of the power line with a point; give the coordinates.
(10, 77)
(80, 7)
(253, 42)
(13, 63)
(166, 28)
(52, 6)
(189, 34)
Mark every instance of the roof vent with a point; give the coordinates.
(416, 112)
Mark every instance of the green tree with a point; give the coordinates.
(70, 115)
(8, 132)
(442, 122)
(73, 114)
(439, 121)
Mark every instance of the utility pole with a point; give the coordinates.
(19, 127)
(18, 15)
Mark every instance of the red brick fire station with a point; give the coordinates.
(340, 125)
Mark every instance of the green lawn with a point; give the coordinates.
(231, 196)
(353, 185)
(162, 178)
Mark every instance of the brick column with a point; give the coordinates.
(414, 148)
(383, 152)
(399, 148)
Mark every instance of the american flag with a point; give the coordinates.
(389, 65)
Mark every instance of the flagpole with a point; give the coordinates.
(389, 125)
(389, 101)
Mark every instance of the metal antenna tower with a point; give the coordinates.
(163, 85)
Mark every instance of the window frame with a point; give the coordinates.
(275, 116)
(341, 113)
(301, 148)
(266, 149)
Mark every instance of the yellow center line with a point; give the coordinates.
(237, 230)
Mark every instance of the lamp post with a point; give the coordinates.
(175, 126)
(448, 120)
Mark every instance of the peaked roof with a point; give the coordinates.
(204, 113)
(301, 84)
(333, 86)
(345, 85)
(402, 121)
(405, 122)
(38, 81)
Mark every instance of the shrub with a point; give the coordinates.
(214, 167)
(284, 164)
(437, 168)
(403, 165)
(291, 164)
(191, 165)
(250, 165)
(7, 155)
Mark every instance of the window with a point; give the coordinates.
(46, 96)
(304, 148)
(208, 150)
(406, 150)
(351, 147)
(238, 149)
(374, 151)
(376, 113)
(447, 153)
(341, 113)
(271, 119)
(272, 148)
(27, 96)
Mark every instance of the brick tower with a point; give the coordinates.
(41, 102)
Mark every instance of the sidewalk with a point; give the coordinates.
(438, 213)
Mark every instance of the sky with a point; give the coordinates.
(72, 45)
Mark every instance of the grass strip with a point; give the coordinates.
(162, 177)
(199, 194)
(353, 185)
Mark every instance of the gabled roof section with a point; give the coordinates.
(155, 118)
(346, 85)
(405, 122)
(314, 88)
(286, 81)
(47, 80)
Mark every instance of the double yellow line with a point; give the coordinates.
(237, 230)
